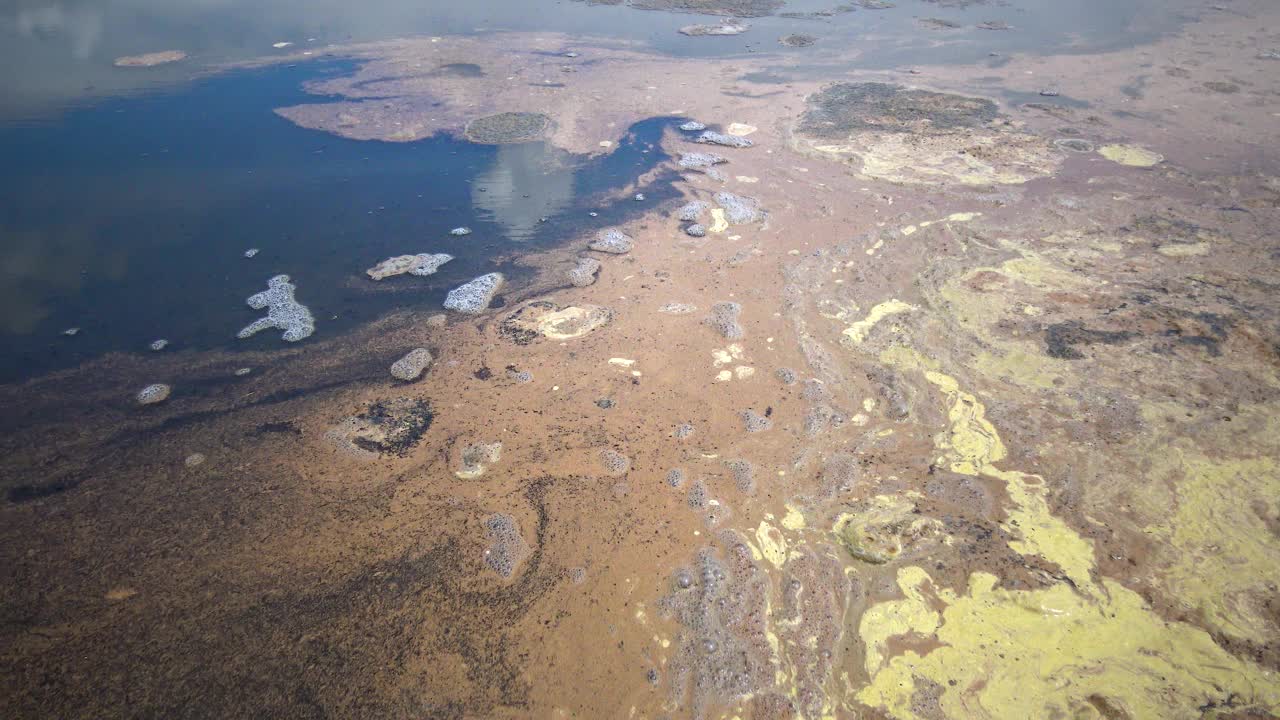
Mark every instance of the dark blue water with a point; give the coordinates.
(129, 219)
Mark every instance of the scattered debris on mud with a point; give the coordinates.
(390, 427)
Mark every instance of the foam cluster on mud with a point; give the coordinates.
(283, 312)
(675, 478)
(412, 365)
(744, 474)
(584, 273)
(711, 137)
(477, 457)
(739, 209)
(152, 394)
(612, 241)
(698, 496)
(755, 422)
(840, 474)
(724, 318)
(704, 163)
(422, 265)
(614, 462)
(474, 297)
(692, 210)
(507, 548)
(723, 651)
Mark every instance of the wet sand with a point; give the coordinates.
(996, 434)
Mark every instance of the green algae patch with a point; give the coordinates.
(1179, 250)
(914, 614)
(770, 543)
(1131, 155)
(858, 331)
(1078, 649)
(1224, 556)
(1215, 523)
(972, 446)
(1051, 653)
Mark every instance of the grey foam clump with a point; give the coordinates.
(682, 431)
(159, 345)
(614, 462)
(697, 497)
(460, 231)
(815, 390)
(422, 265)
(739, 209)
(821, 417)
(584, 273)
(283, 312)
(786, 376)
(724, 652)
(711, 137)
(676, 308)
(699, 161)
(519, 376)
(755, 422)
(612, 240)
(693, 126)
(691, 211)
(728, 27)
(476, 457)
(696, 230)
(675, 478)
(411, 366)
(507, 547)
(724, 318)
(840, 474)
(744, 474)
(475, 296)
(152, 394)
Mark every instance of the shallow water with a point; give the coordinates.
(60, 53)
(130, 219)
